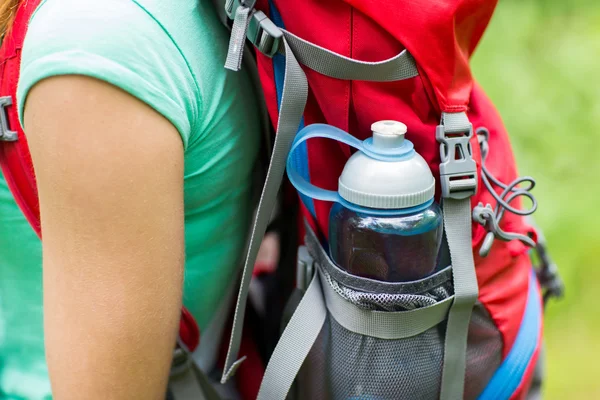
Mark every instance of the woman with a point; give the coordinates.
(143, 147)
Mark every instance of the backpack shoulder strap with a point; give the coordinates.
(15, 160)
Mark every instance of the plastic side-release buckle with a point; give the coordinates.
(6, 135)
(232, 5)
(458, 170)
(305, 269)
(264, 34)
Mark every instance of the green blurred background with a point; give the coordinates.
(539, 61)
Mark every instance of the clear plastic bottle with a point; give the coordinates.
(384, 223)
(387, 226)
(395, 248)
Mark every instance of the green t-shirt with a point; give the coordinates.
(170, 55)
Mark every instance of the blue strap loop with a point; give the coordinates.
(311, 132)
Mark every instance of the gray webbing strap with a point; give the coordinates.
(237, 40)
(455, 122)
(267, 37)
(210, 393)
(187, 381)
(383, 324)
(337, 66)
(293, 101)
(457, 225)
(191, 383)
(185, 386)
(295, 343)
(250, 67)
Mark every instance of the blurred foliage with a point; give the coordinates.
(539, 61)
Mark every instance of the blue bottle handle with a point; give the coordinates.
(310, 132)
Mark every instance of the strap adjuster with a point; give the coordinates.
(305, 269)
(232, 5)
(458, 170)
(6, 135)
(264, 34)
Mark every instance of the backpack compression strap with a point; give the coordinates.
(458, 176)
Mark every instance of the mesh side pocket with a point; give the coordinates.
(391, 302)
(345, 365)
(484, 352)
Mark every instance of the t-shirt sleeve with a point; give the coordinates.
(115, 41)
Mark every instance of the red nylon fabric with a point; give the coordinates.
(15, 159)
(441, 35)
(189, 332)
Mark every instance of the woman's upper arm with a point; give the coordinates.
(110, 180)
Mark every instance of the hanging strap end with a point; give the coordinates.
(228, 373)
(254, 26)
(241, 22)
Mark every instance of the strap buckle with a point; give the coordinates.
(264, 34)
(231, 6)
(6, 135)
(305, 269)
(458, 170)
(547, 272)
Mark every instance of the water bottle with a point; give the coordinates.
(384, 223)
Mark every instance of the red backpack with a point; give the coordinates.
(424, 79)
(349, 63)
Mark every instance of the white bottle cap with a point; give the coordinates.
(388, 134)
(400, 181)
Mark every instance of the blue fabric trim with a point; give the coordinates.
(509, 375)
(300, 158)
